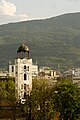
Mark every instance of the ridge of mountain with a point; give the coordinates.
(53, 42)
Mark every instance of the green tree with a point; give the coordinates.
(7, 96)
(66, 97)
(39, 104)
(7, 92)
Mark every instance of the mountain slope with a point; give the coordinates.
(54, 42)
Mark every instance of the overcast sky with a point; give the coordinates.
(22, 10)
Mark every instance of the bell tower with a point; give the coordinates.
(23, 73)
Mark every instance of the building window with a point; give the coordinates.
(24, 66)
(24, 86)
(24, 94)
(25, 76)
(27, 68)
(21, 86)
(12, 68)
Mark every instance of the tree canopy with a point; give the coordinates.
(66, 99)
(47, 100)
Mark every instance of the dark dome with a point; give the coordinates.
(23, 48)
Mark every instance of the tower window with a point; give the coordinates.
(24, 94)
(24, 66)
(25, 76)
(27, 68)
(24, 86)
(21, 86)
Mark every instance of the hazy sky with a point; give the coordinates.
(21, 10)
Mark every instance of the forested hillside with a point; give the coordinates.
(53, 42)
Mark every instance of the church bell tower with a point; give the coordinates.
(23, 73)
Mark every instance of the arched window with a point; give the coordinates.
(28, 68)
(24, 94)
(24, 66)
(25, 76)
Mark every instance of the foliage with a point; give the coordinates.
(7, 98)
(66, 97)
(47, 100)
(39, 102)
(7, 92)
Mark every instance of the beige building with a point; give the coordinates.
(48, 73)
